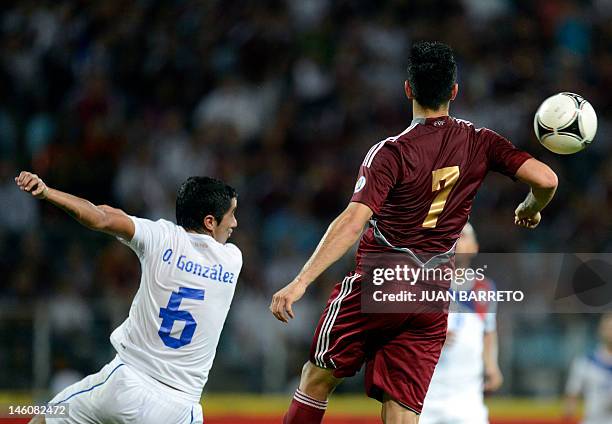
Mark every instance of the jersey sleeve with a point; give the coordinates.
(575, 381)
(490, 322)
(147, 235)
(381, 169)
(503, 156)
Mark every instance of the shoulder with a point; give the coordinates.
(478, 131)
(380, 148)
(159, 226)
(149, 234)
(233, 249)
(596, 360)
(395, 142)
(464, 123)
(462, 126)
(416, 130)
(169, 225)
(469, 125)
(229, 251)
(383, 151)
(159, 222)
(488, 134)
(233, 255)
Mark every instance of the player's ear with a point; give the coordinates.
(454, 91)
(408, 90)
(209, 223)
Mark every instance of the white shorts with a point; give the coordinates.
(120, 394)
(468, 410)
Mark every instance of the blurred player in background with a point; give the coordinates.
(416, 189)
(455, 395)
(591, 378)
(166, 347)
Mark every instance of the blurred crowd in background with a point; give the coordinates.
(120, 101)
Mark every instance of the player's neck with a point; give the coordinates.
(419, 111)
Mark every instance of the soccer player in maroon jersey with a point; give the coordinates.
(416, 190)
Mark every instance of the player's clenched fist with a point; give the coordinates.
(32, 183)
(282, 301)
(526, 219)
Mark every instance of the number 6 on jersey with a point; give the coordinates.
(171, 313)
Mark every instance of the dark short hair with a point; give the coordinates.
(199, 197)
(432, 72)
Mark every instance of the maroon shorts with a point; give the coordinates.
(400, 350)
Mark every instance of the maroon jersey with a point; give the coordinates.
(421, 184)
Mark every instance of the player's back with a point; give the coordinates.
(421, 184)
(187, 285)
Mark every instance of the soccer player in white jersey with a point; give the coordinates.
(166, 347)
(468, 363)
(591, 378)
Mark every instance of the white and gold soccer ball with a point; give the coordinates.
(565, 123)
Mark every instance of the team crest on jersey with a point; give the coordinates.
(361, 182)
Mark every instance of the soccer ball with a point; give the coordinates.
(565, 123)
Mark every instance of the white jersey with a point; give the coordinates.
(175, 321)
(461, 367)
(591, 377)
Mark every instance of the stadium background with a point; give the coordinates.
(119, 101)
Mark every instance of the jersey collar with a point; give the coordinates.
(438, 121)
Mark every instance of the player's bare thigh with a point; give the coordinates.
(37, 420)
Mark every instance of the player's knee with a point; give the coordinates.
(318, 382)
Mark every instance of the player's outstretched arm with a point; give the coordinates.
(342, 233)
(99, 218)
(543, 182)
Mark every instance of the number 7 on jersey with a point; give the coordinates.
(449, 176)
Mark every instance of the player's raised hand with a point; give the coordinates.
(283, 300)
(525, 219)
(32, 184)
